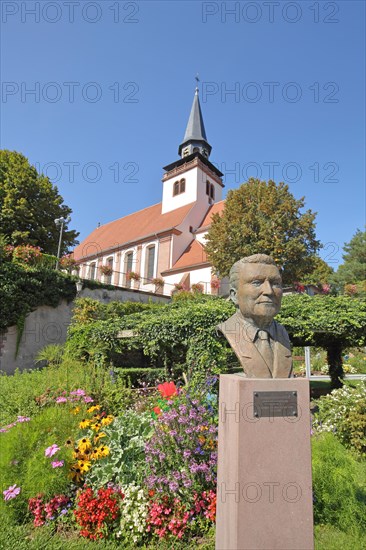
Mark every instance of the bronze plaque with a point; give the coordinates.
(267, 404)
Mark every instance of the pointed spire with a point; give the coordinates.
(195, 138)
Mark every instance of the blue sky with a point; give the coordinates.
(113, 85)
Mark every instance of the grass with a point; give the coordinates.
(26, 538)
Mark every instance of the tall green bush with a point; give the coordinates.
(339, 485)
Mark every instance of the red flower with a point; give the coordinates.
(157, 410)
(168, 389)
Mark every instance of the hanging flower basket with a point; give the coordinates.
(158, 282)
(106, 270)
(133, 276)
(215, 283)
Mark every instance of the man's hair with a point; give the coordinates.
(254, 259)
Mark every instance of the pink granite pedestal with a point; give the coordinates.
(264, 492)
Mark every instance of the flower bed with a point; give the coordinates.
(144, 473)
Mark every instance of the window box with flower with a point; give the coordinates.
(133, 276)
(106, 270)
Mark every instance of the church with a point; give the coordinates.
(161, 248)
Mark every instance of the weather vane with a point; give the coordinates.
(197, 81)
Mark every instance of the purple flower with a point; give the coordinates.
(11, 492)
(173, 486)
(57, 463)
(61, 400)
(88, 399)
(50, 451)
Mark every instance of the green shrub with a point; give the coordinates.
(23, 289)
(339, 490)
(126, 438)
(344, 412)
(136, 377)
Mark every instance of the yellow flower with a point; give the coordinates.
(84, 465)
(75, 474)
(108, 420)
(201, 439)
(84, 444)
(100, 452)
(95, 427)
(76, 453)
(93, 408)
(84, 424)
(76, 410)
(99, 436)
(203, 428)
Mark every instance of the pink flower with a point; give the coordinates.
(50, 451)
(78, 392)
(88, 399)
(57, 463)
(23, 419)
(61, 400)
(11, 492)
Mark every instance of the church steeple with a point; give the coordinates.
(195, 140)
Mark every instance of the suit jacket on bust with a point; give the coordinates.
(241, 336)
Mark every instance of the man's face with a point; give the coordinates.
(259, 292)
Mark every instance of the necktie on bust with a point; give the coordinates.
(264, 348)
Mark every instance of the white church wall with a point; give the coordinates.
(171, 202)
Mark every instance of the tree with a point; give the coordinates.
(322, 273)
(29, 204)
(262, 217)
(353, 270)
(331, 322)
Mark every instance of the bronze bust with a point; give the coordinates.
(261, 344)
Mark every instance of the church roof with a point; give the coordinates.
(129, 229)
(195, 128)
(193, 256)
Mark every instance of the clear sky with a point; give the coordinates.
(113, 82)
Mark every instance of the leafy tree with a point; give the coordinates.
(261, 217)
(322, 273)
(353, 270)
(331, 322)
(29, 204)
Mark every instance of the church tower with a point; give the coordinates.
(192, 178)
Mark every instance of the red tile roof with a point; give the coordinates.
(194, 255)
(218, 207)
(130, 229)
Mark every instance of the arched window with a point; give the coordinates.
(212, 192)
(196, 149)
(150, 262)
(182, 187)
(207, 188)
(176, 189)
(92, 270)
(128, 268)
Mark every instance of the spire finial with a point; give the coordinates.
(197, 78)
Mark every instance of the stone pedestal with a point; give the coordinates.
(264, 491)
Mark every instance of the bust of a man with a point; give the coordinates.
(261, 344)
